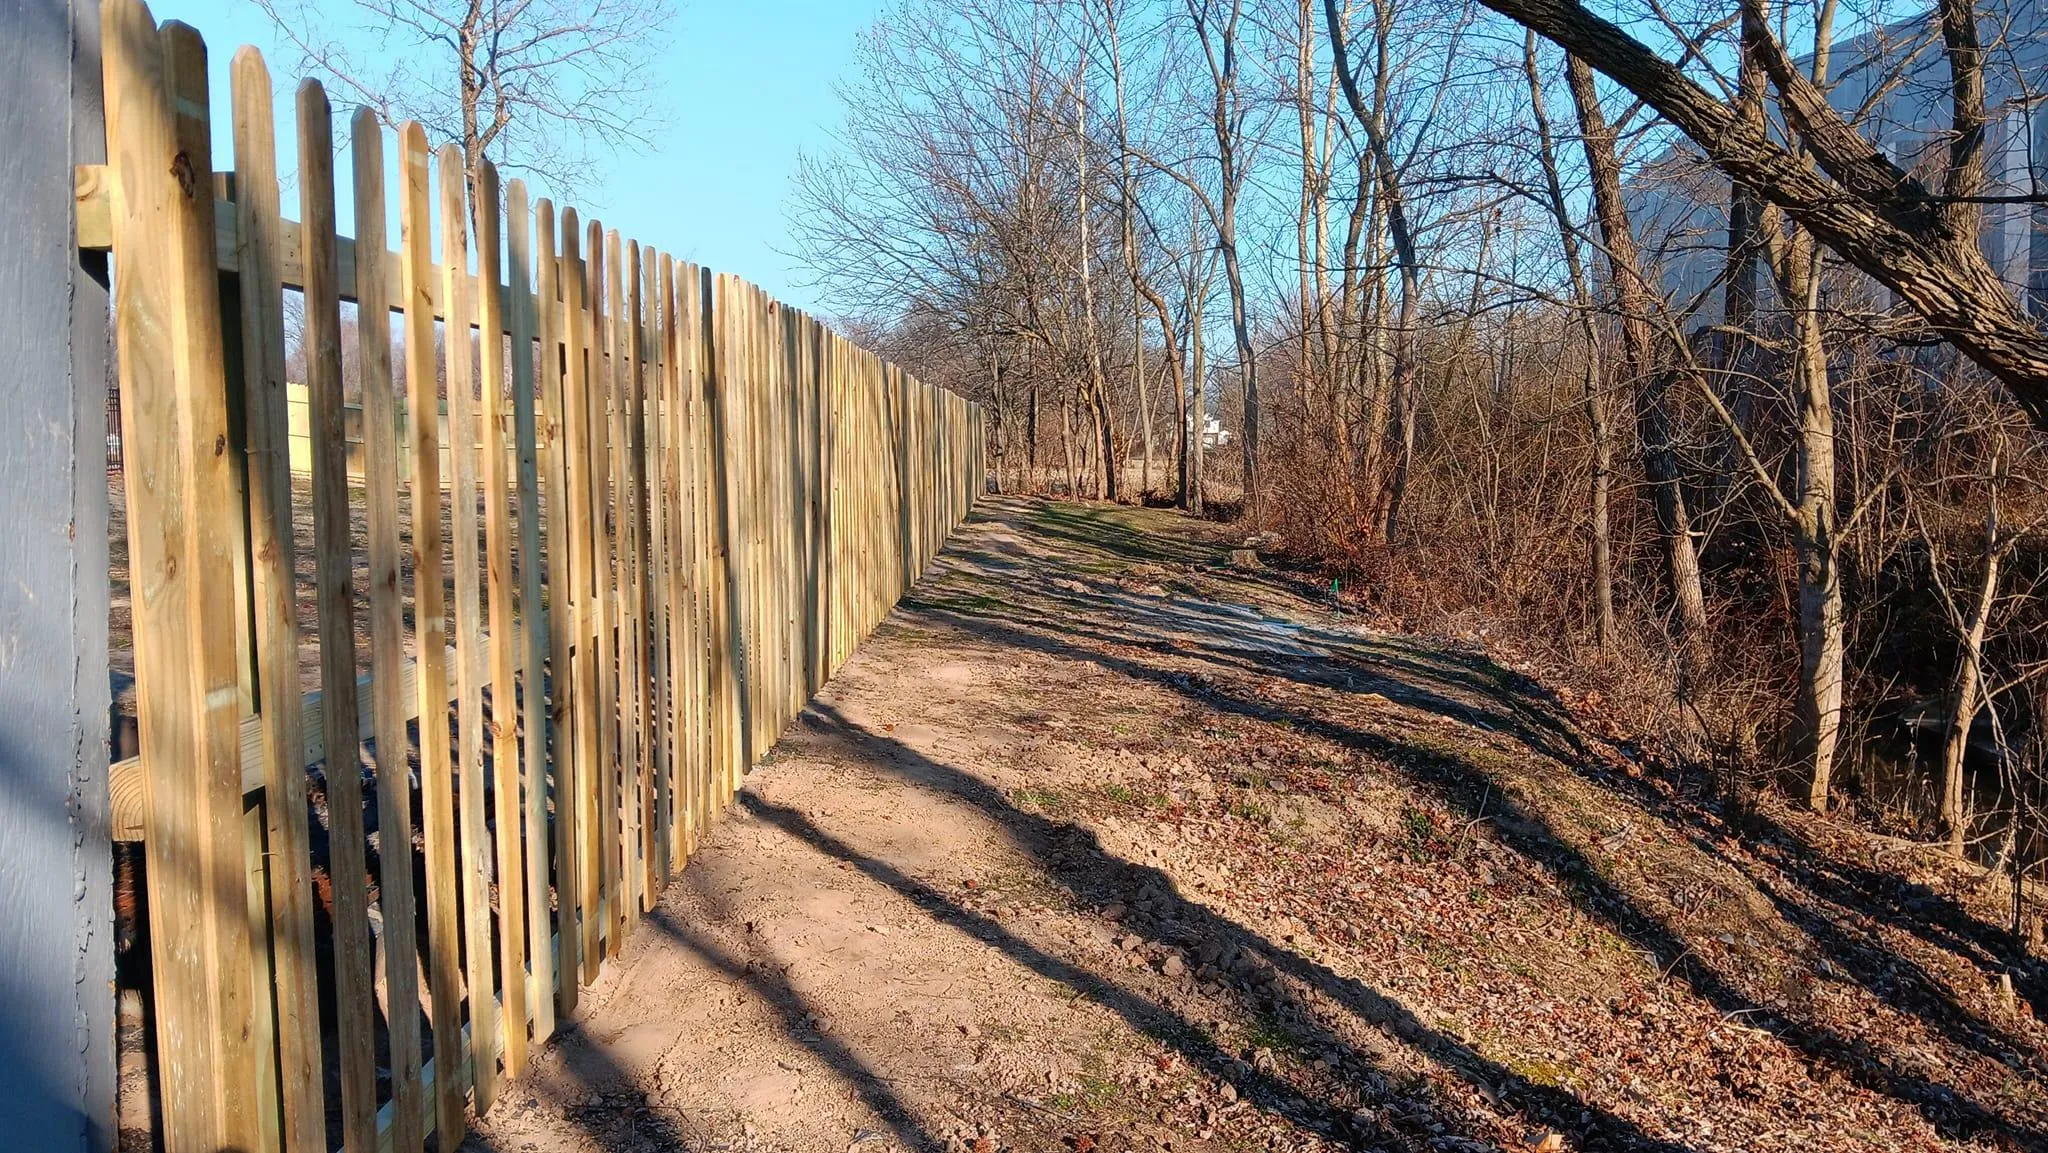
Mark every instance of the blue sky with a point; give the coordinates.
(747, 86)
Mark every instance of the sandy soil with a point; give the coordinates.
(1101, 843)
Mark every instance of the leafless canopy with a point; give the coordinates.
(533, 84)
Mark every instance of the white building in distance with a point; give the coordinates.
(1891, 82)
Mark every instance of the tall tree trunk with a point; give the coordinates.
(1247, 360)
(1198, 364)
(1640, 363)
(1962, 714)
(1181, 458)
(1067, 445)
(998, 444)
(1227, 122)
(1308, 375)
(1405, 391)
(1106, 478)
(1031, 435)
(1600, 484)
(1349, 337)
(1177, 372)
(1144, 402)
(1372, 359)
(1127, 190)
(1594, 380)
(1406, 395)
(1734, 354)
(1795, 258)
(1821, 624)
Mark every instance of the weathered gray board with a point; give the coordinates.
(56, 902)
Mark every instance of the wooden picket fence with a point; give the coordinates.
(689, 504)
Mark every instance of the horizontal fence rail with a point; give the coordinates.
(589, 525)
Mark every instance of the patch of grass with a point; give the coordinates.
(1121, 794)
(1539, 1071)
(966, 603)
(1039, 797)
(1417, 822)
(1092, 1093)
(1266, 1032)
(1425, 841)
(1246, 809)
(1292, 831)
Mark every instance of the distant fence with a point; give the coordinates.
(299, 413)
(689, 503)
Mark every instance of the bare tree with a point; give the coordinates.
(1642, 361)
(1111, 33)
(1394, 203)
(1593, 383)
(1917, 240)
(531, 84)
(1107, 480)
(1465, 326)
(1219, 26)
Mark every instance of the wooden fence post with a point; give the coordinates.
(57, 1006)
(181, 497)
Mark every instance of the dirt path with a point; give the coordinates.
(1102, 844)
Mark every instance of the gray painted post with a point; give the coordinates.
(56, 898)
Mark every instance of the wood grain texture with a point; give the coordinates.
(195, 875)
(661, 568)
(533, 616)
(474, 857)
(390, 702)
(614, 649)
(430, 628)
(559, 348)
(581, 354)
(355, 995)
(503, 728)
(274, 600)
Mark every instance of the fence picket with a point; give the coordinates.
(334, 571)
(605, 307)
(720, 606)
(430, 632)
(533, 618)
(260, 294)
(187, 869)
(627, 347)
(473, 848)
(506, 644)
(591, 762)
(660, 273)
(381, 458)
(647, 882)
(557, 327)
